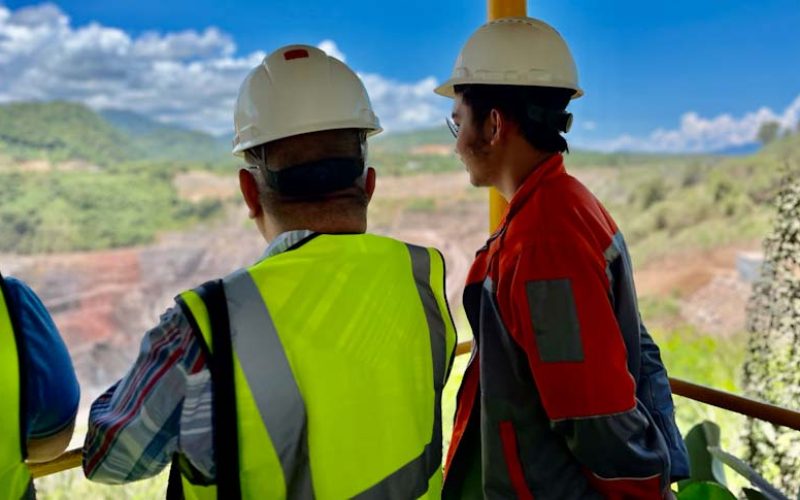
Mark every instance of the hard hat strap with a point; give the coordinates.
(555, 119)
(315, 178)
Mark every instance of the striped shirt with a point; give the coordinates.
(162, 406)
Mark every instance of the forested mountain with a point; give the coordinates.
(61, 131)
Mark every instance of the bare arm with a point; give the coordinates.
(44, 449)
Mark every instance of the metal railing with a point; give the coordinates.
(721, 399)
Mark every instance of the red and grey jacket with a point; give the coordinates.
(565, 395)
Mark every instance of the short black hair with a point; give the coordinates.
(512, 101)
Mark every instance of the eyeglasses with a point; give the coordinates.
(452, 126)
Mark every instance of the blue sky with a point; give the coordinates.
(669, 76)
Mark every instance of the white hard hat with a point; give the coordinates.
(514, 51)
(296, 90)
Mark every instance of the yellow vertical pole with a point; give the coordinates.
(506, 8)
(496, 10)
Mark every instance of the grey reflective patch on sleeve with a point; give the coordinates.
(555, 320)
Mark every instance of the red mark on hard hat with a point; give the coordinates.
(295, 54)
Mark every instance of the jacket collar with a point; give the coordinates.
(552, 166)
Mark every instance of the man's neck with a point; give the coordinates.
(519, 161)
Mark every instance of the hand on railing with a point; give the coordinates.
(68, 460)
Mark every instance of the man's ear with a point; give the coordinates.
(249, 187)
(369, 182)
(495, 127)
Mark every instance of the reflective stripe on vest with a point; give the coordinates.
(261, 354)
(14, 475)
(269, 386)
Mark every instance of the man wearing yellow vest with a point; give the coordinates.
(316, 372)
(38, 388)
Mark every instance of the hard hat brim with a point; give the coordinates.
(447, 89)
(240, 148)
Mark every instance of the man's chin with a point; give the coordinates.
(477, 182)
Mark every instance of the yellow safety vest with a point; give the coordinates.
(340, 351)
(15, 479)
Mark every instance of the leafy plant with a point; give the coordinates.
(707, 476)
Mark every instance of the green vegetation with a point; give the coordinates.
(663, 203)
(402, 142)
(401, 164)
(768, 132)
(771, 373)
(156, 141)
(424, 205)
(63, 211)
(120, 193)
(410, 153)
(708, 479)
(71, 484)
(702, 203)
(61, 131)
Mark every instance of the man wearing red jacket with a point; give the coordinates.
(565, 395)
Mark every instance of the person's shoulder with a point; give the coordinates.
(564, 191)
(17, 288)
(562, 202)
(25, 302)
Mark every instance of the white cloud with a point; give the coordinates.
(404, 106)
(185, 77)
(399, 105)
(698, 134)
(330, 48)
(589, 125)
(188, 77)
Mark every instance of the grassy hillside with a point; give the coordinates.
(662, 203)
(431, 150)
(61, 131)
(672, 206)
(157, 141)
(43, 213)
(400, 142)
(124, 193)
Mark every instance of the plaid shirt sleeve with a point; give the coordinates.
(160, 407)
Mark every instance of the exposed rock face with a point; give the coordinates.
(771, 370)
(103, 302)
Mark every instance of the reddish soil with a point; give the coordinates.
(711, 294)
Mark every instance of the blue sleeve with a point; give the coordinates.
(52, 391)
(654, 391)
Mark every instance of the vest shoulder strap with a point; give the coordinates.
(213, 311)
